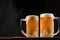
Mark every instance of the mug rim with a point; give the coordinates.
(28, 17)
(31, 16)
(44, 14)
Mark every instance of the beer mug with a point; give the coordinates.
(47, 25)
(31, 26)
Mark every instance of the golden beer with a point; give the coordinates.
(46, 25)
(32, 27)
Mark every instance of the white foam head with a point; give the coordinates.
(45, 14)
(29, 16)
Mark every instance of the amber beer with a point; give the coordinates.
(46, 25)
(32, 26)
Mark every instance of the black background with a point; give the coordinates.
(11, 11)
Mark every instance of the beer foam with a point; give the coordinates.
(47, 14)
(29, 16)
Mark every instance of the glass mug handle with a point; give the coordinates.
(58, 27)
(21, 29)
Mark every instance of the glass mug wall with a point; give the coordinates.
(32, 26)
(47, 25)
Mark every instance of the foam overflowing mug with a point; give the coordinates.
(31, 26)
(47, 25)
